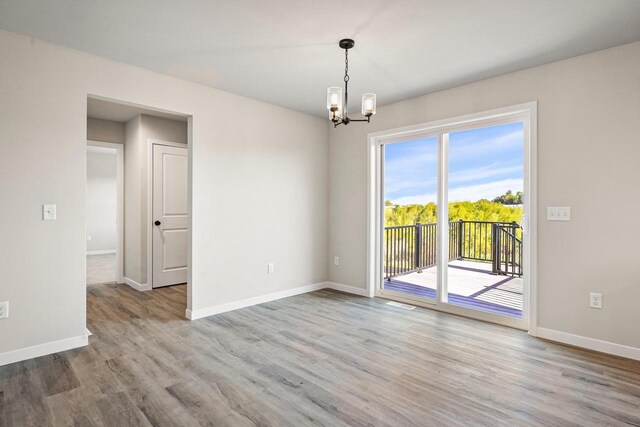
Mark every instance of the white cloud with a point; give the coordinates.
(483, 173)
(414, 172)
(472, 146)
(489, 190)
(420, 183)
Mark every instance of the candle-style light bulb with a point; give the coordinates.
(368, 104)
(334, 98)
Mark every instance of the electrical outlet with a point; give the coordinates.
(88, 238)
(336, 260)
(595, 300)
(271, 268)
(4, 310)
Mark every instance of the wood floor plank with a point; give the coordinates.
(117, 409)
(23, 396)
(56, 374)
(321, 359)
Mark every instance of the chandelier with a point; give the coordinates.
(337, 105)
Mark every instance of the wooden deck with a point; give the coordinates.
(471, 285)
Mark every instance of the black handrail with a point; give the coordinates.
(410, 248)
(507, 253)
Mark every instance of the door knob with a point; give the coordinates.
(157, 222)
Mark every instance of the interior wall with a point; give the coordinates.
(138, 131)
(588, 151)
(105, 130)
(133, 200)
(101, 201)
(260, 189)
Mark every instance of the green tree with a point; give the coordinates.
(509, 198)
(482, 210)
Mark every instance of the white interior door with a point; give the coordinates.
(170, 234)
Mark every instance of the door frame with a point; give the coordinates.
(150, 143)
(527, 113)
(119, 203)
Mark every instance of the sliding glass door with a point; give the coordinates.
(485, 179)
(452, 219)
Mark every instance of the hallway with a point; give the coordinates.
(101, 269)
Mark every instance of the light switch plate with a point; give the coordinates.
(558, 214)
(48, 212)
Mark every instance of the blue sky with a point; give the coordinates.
(483, 164)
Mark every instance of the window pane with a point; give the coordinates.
(409, 245)
(485, 191)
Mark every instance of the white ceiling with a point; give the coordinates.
(107, 110)
(285, 51)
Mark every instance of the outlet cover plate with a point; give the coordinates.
(595, 300)
(4, 310)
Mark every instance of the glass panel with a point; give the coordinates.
(485, 184)
(368, 104)
(409, 242)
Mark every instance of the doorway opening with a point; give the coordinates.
(449, 213)
(153, 235)
(104, 212)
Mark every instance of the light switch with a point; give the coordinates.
(48, 212)
(558, 214)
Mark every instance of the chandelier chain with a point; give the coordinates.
(346, 65)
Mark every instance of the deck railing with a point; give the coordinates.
(410, 248)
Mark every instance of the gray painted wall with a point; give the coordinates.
(105, 130)
(137, 133)
(588, 152)
(262, 190)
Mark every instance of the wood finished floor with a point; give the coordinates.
(323, 358)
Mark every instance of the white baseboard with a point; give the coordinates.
(223, 308)
(135, 285)
(43, 349)
(348, 289)
(589, 343)
(104, 252)
(235, 305)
